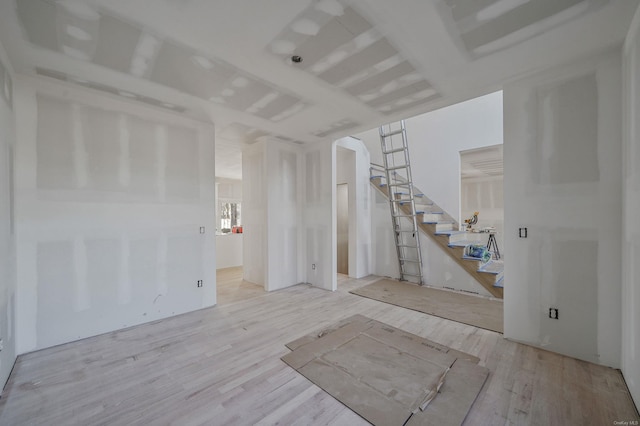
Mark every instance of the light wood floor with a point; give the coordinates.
(221, 366)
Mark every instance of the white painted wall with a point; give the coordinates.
(229, 250)
(7, 234)
(110, 196)
(562, 156)
(631, 205)
(352, 167)
(436, 139)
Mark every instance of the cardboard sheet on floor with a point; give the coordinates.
(471, 310)
(386, 375)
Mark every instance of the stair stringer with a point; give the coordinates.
(486, 280)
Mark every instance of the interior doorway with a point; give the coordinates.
(342, 231)
(481, 195)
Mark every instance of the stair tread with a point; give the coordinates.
(450, 232)
(462, 243)
(438, 222)
(492, 267)
(499, 283)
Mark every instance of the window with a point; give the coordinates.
(229, 216)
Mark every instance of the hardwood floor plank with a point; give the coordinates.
(222, 365)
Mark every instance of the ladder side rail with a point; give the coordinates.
(412, 197)
(392, 206)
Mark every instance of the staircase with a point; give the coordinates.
(443, 229)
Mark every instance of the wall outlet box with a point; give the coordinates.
(553, 313)
(313, 266)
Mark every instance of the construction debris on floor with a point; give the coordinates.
(389, 376)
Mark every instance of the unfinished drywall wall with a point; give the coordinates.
(110, 198)
(229, 248)
(254, 206)
(562, 158)
(436, 139)
(272, 221)
(318, 211)
(284, 220)
(7, 228)
(631, 203)
(352, 167)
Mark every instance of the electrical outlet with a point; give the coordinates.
(199, 283)
(313, 266)
(553, 313)
(522, 232)
(202, 229)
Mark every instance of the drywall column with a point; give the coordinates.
(271, 214)
(283, 165)
(562, 157)
(359, 201)
(254, 214)
(7, 234)
(110, 198)
(319, 215)
(631, 203)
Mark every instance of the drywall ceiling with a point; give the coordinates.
(481, 162)
(364, 62)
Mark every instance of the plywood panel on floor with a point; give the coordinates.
(472, 310)
(387, 375)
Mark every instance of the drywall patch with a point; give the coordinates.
(567, 131)
(142, 158)
(142, 268)
(289, 175)
(574, 291)
(56, 297)
(182, 180)
(55, 167)
(103, 264)
(313, 177)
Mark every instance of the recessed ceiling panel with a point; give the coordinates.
(76, 29)
(250, 135)
(342, 48)
(333, 128)
(116, 43)
(366, 58)
(486, 26)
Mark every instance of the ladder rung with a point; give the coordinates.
(399, 184)
(401, 200)
(393, 133)
(404, 166)
(409, 260)
(403, 215)
(411, 275)
(406, 231)
(407, 246)
(393, 151)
